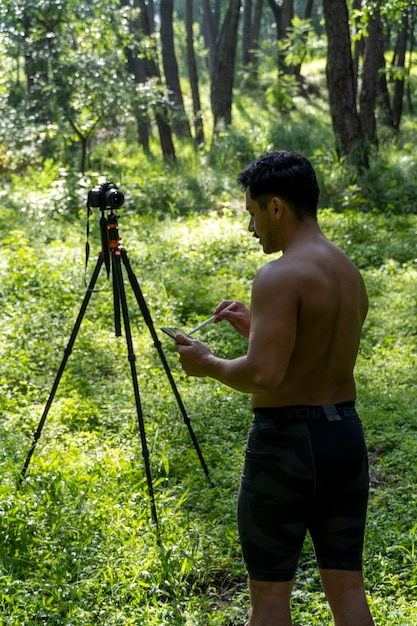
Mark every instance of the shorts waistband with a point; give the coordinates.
(330, 412)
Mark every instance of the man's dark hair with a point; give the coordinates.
(285, 174)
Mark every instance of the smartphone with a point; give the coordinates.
(172, 332)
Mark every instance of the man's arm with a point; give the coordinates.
(272, 336)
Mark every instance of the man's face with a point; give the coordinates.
(263, 224)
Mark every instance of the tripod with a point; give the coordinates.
(113, 256)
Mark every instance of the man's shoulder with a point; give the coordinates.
(278, 274)
(271, 268)
(282, 267)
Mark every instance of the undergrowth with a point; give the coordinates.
(78, 541)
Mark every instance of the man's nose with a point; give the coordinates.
(251, 227)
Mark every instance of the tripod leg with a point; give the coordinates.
(116, 302)
(67, 353)
(118, 279)
(148, 319)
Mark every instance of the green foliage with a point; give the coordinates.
(72, 82)
(291, 53)
(281, 94)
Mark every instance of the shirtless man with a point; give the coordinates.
(306, 462)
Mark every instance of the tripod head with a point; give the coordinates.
(105, 196)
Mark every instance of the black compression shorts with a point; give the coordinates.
(306, 468)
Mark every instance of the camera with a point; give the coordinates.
(106, 195)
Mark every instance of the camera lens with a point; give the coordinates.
(114, 198)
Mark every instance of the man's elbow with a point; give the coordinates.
(267, 382)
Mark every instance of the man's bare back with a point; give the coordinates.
(326, 292)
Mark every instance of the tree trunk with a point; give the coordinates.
(246, 33)
(165, 136)
(224, 65)
(192, 71)
(308, 10)
(179, 117)
(411, 56)
(401, 48)
(209, 33)
(151, 70)
(358, 46)
(250, 39)
(136, 67)
(147, 7)
(85, 139)
(287, 15)
(373, 46)
(340, 80)
(283, 14)
(383, 97)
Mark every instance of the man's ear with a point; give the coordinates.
(278, 206)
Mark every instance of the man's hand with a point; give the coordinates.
(195, 356)
(238, 316)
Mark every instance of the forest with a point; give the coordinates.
(76, 70)
(118, 473)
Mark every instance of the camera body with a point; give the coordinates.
(106, 195)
